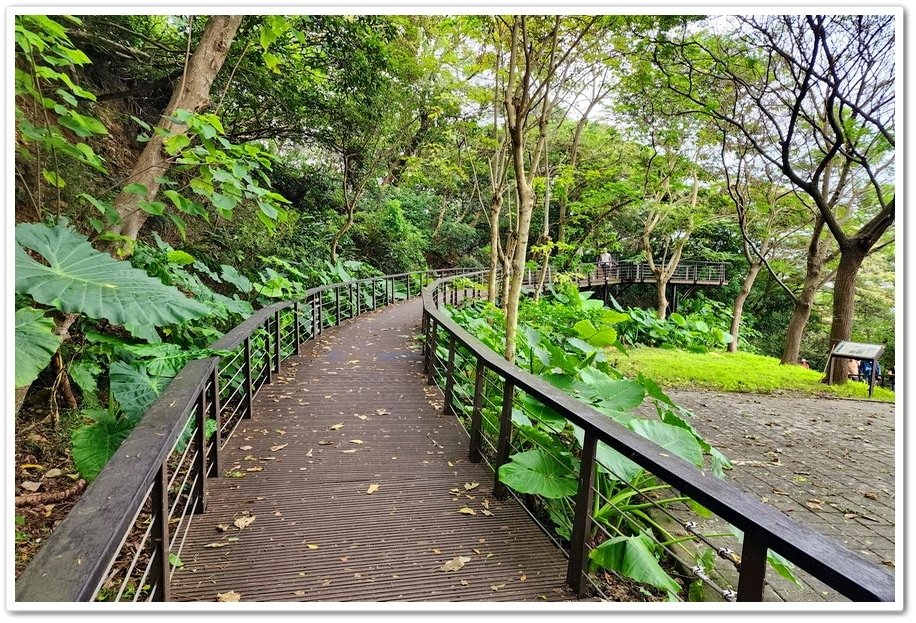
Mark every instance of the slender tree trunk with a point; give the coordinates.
(496, 206)
(526, 207)
(844, 290)
(661, 287)
(800, 315)
(192, 93)
(738, 309)
(335, 242)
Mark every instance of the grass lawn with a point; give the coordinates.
(733, 372)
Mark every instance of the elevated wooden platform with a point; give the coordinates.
(350, 414)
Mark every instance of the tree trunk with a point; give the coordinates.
(844, 291)
(193, 93)
(335, 242)
(817, 251)
(738, 309)
(661, 287)
(496, 205)
(525, 208)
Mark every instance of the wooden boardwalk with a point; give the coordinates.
(351, 413)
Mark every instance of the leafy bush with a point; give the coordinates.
(701, 329)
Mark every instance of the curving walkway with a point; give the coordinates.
(352, 412)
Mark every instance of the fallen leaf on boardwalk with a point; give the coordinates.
(309, 453)
(275, 448)
(436, 551)
(256, 468)
(222, 527)
(870, 495)
(356, 441)
(467, 511)
(298, 593)
(336, 427)
(28, 485)
(485, 504)
(325, 442)
(455, 563)
(53, 473)
(780, 492)
(464, 582)
(372, 488)
(243, 522)
(383, 411)
(363, 417)
(347, 451)
(450, 464)
(523, 578)
(476, 551)
(244, 447)
(486, 513)
(344, 558)
(456, 490)
(311, 546)
(217, 544)
(490, 555)
(230, 596)
(471, 485)
(889, 563)
(850, 515)
(814, 505)
(496, 587)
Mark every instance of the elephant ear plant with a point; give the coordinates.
(562, 338)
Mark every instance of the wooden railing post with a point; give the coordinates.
(199, 494)
(431, 352)
(216, 443)
(448, 409)
(474, 455)
(267, 353)
(505, 436)
(159, 573)
(578, 554)
(297, 336)
(337, 306)
(277, 340)
(249, 382)
(753, 566)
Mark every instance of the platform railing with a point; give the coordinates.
(487, 393)
(122, 540)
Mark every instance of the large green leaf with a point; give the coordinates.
(85, 374)
(82, 280)
(671, 438)
(545, 416)
(93, 445)
(36, 343)
(632, 556)
(619, 395)
(609, 460)
(135, 389)
(233, 276)
(538, 473)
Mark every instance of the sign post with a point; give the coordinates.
(857, 351)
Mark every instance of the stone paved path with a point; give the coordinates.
(827, 463)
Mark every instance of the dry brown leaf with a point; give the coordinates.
(850, 515)
(464, 582)
(476, 551)
(309, 453)
(467, 511)
(325, 442)
(356, 441)
(496, 587)
(336, 427)
(889, 563)
(780, 492)
(523, 578)
(53, 473)
(28, 485)
(311, 546)
(486, 504)
(372, 488)
(217, 544)
(486, 513)
(471, 485)
(244, 447)
(298, 593)
(344, 558)
(436, 551)
(455, 563)
(363, 417)
(244, 521)
(230, 596)
(456, 490)
(222, 527)
(256, 468)
(383, 411)
(871, 495)
(814, 505)
(347, 451)
(280, 447)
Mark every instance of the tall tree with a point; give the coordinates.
(823, 89)
(193, 94)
